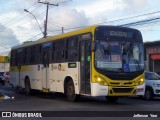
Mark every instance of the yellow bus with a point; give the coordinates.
(93, 61)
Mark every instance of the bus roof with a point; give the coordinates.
(56, 37)
(65, 35)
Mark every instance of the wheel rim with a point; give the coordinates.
(70, 90)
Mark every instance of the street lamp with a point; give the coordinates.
(35, 19)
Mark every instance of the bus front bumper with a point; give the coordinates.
(99, 90)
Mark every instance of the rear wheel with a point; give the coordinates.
(70, 92)
(112, 99)
(148, 94)
(27, 86)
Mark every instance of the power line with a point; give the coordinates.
(54, 25)
(23, 42)
(29, 20)
(26, 21)
(34, 37)
(11, 20)
(126, 18)
(16, 36)
(142, 15)
(47, 6)
(141, 22)
(22, 29)
(34, 18)
(128, 24)
(24, 16)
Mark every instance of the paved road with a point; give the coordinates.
(58, 102)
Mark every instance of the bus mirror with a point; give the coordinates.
(93, 46)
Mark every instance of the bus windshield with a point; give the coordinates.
(119, 56)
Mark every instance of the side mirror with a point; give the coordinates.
(93, 46)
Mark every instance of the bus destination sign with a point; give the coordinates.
(118, 34)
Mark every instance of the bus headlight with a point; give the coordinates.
(101, 81)
(140, 82)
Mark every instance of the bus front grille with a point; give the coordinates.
(122, 90)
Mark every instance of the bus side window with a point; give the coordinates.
(19, 57)
(59, 51)
(28, 55)
(38, 53)
(32, 58)
(72, 44)
(14, 58)
(24, 56)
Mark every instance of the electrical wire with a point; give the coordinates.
(11, 20)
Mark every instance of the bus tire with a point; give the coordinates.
(27, 86)
(70, 92)
(112, 99)
(148, 95)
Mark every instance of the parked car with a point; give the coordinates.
(152, 85)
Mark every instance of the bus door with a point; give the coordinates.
(85, 62)
(45, 60)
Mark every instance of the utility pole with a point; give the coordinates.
(45, 25)
(62, 30)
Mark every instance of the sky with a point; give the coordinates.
(18, 26)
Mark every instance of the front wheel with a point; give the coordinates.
(148, 94)
(112, 99)
(70, 92)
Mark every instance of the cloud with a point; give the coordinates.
(134, 5)
(71, 14)
(7, 37)
(67, 18)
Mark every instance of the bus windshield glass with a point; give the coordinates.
(119, 55)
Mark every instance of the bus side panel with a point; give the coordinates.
(35, 75)
(13, 78)
(59, 71)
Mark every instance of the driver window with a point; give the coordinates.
(102, 51)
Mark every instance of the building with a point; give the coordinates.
(4, 64)
(152, 56)
(4, 67)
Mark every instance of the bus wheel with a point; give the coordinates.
(70, 92)
(148, 95)
(27, 86)
(112, 99)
